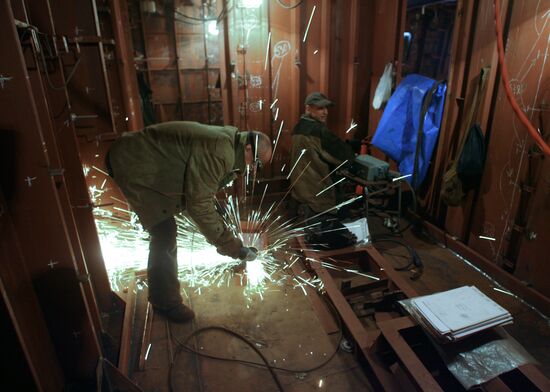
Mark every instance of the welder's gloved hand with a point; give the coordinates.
(248, 253)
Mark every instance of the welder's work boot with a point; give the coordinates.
(178, 314)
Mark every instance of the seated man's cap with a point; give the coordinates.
(318, 99)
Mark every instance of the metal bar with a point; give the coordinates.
(352, 64)
(106, 83)
(508, 280)
(411, 363)
(460, 53)
(534, 374)
(401, 17)
(179, 76)
(119, 381)
(40, 214)
(325, 43)
(23, 307)
(326, 319)
(364, 338)
(60, 132)
(225, 70)
(146, 338)
(126, 337)
(496, 385)
(124, 51)
(400, 282)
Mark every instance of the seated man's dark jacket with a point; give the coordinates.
(323, 152)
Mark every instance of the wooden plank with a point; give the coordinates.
(126, 336)
(412, 364)
(326, 319)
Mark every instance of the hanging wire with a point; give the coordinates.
(223, 13)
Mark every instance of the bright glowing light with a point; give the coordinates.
(255, 272)
(251, 3)
(213, 28)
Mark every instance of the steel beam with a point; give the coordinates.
(39, 217)
(20, 299)
(125, 55)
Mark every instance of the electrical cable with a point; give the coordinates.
(223, 14)
(415, 259)
(506, 83)
(289, 6)
(415, 264)
(67, 80)
(42, 57)
(182, 345)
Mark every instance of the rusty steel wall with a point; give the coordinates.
(510, 209)
(66, 90)
(513, 204)
(40, 208)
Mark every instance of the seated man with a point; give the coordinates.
(316, 152)
(175, 166)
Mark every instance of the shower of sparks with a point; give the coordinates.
(487, 238)
(401, 177)
(256, 149)
(334, 208)
(316, 51)
(101, 171)
(273, 104)
(352, 125)
(277, 141)
(125, 246)
(336, 168)
(309, 23)
(330, 186)
(86, 170)
(283, 167)
(267, 50)
(502, 291)
(276, 115)
(297, 160)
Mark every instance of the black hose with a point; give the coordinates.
(182, 345)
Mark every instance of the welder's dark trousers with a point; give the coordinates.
(162, 267)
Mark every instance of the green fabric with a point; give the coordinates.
(323, 152)
(145, 93)
(175, 166)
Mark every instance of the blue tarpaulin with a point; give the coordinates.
(397, 131)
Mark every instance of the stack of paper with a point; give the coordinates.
(454, 314)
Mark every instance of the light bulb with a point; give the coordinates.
(213, 28)
(251, 3)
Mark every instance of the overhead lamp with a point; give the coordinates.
(251, 3)
(213, 28)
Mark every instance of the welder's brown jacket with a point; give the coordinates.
(323, 152)
(175, 166)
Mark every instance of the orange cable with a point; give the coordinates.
(506, 82)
